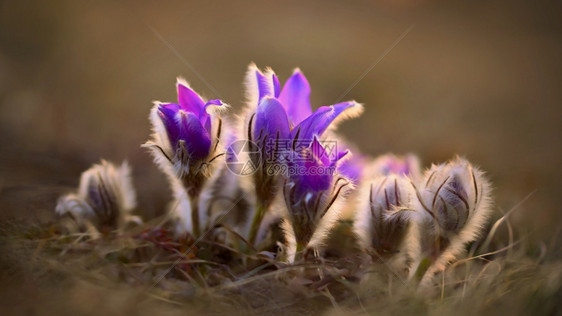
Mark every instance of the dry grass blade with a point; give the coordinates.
(492, 232)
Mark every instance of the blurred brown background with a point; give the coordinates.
(477, 78)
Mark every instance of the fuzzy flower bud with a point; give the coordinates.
(104, 200)
(454, 200)
(384, 218)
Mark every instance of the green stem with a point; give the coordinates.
(299, 253)
(256, 223)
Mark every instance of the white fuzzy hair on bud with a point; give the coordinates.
(383, 222)
(105, 198)
(454, 204)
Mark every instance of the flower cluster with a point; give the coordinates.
(279, 123)
(409, 218)
(278, 177)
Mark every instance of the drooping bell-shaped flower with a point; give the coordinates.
(185, 143)
(280, 122)
(454, 201)
(384, 217)
(104, 200)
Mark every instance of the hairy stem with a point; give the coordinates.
(299, 252)
(195, 216)
(256, 223)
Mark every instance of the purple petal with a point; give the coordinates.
(316, 174)
(276, 85)
(339, 156)
(319, 121)
(352, 168)
(189, 100)
(311, 176)
(295, 96)
(204, 116)
(264, 87)
(213, 102)
(311, 182)
(271, 120)
(319, 153)
(167, 113)
(197, 139)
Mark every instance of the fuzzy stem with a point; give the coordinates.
(195, 216)
(256, 223)
(193, 185)
(299, 252)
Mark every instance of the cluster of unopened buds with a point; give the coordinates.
(278, 177)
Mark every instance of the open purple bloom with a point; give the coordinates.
(271, 120)
(184, 144)
(294, 97)
(286, 132)
(189, 122)
(285, 112)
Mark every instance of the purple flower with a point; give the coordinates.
(284, 112)
(184, 144)
(188, 123)
(281, 123)
(314, 173)
(283, 126)
(313, 198)
(294, 97)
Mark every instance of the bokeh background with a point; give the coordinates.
(477, 78)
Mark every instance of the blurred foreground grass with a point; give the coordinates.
(145, 271)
